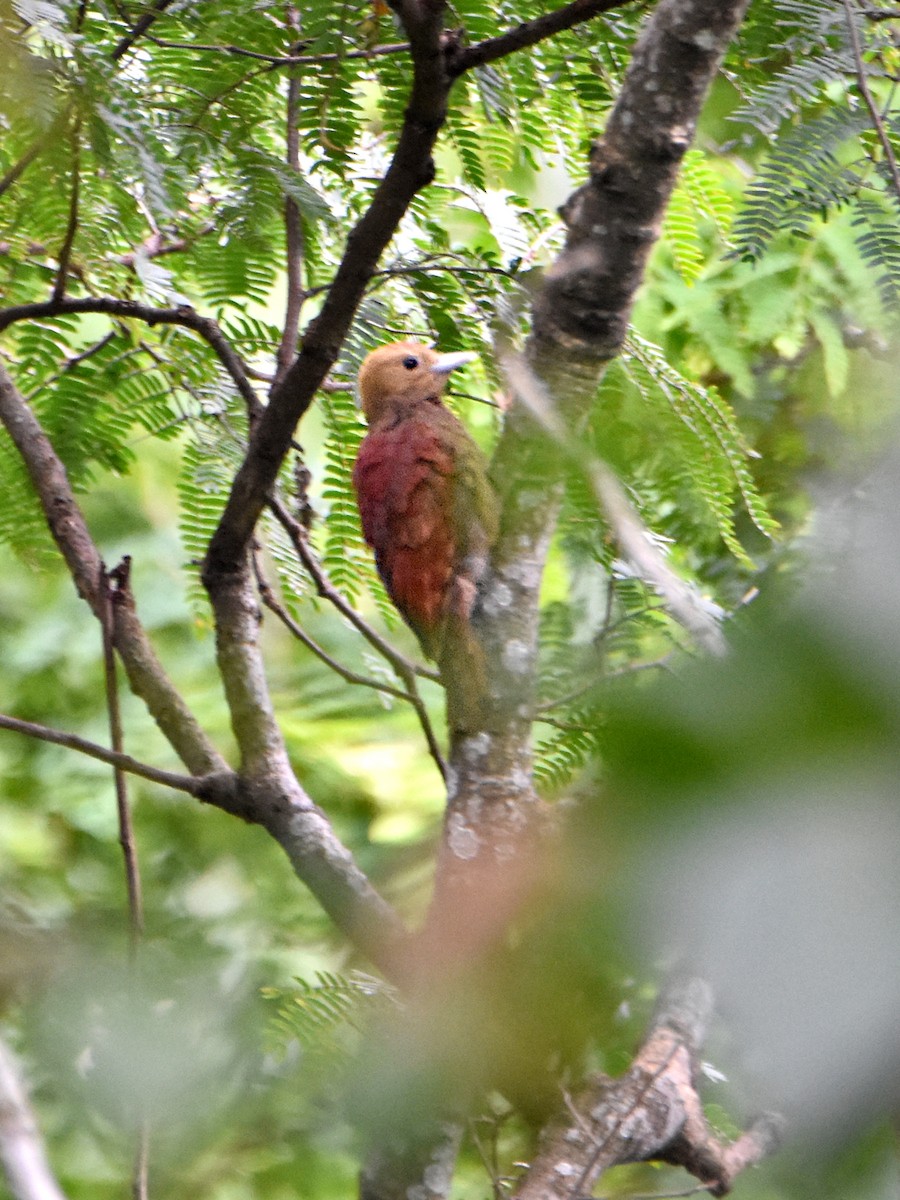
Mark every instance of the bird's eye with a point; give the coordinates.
(410, 362)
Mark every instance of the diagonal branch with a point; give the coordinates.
(65, 254)
(410, 170)
(140, 28)
(194, 785)
(183, 316)
(862, 82)
(36, 148)
(293, 229)
(653, 1112)
(529, 33)
(110, 584)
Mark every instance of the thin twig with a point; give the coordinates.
(42, 733)
(284, 60)
(406, 670)
(267, 595)
(65, 253)
(109, 583)
(293, 230)
(863, 85)
(326, 589)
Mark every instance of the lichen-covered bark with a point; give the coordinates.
(580, 316)
(493, 847)
(651, 1112)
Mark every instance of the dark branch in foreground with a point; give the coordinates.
(410, 170)
(140, 28)
(529, 33)
(653, 1112)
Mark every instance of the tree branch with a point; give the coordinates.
(22, 1153)
(140, 28)
(109, 584)
(529, 33)
(293, 228)
(284, 60)
(863, 84)
(69, 529)
(410, 170)
(184, 316)
(194, 785)
(65, 253)
(21, 165)
(651, 1112)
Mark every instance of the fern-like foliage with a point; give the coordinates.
(828, 149)
(803, 176)
(319, 1014)
(700, 205)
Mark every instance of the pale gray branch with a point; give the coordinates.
(22, 1153)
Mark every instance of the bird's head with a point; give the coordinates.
(397, 377)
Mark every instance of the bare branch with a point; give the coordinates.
(406, 670)
(193, 785)
(65, 253)
(22, 1153)
(267, 596)
(411, 169)
(21, 165)
(284, 60)
(108, 585)
(140, 28)
(35, 149)
(69, 529)
(529, 33)
(294, 248)
(651, 1112)
(862, 83)
(183, 316)
(326, 589)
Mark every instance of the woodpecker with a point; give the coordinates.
(427, 508)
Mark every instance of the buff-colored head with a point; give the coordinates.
(401, 375)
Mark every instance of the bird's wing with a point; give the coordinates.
(403, 478)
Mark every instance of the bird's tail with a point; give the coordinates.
(463, 667)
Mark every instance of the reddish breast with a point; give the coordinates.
(404, 479)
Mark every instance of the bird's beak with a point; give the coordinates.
(449, 362)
